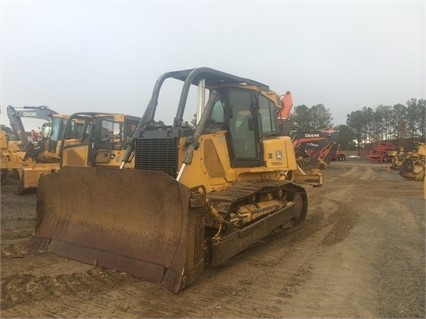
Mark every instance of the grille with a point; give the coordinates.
(159, 154)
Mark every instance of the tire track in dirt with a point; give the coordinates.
(382, 219)
(286, 264)
(33, 287)
(289, 275)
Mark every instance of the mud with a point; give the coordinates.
(360, 253)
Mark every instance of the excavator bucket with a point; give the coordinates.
(144, 223)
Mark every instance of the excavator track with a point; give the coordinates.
(285, 208)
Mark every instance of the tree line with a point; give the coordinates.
(403, 125)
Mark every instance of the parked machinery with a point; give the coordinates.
(315, 148)
(338, 155)
(7, 146)
(284, 119)
(414, 164)
(197, 196)
(24, 153)
(381, 152)
(82, 139)
(398, 158)
(100, 139)
(11, 157)
(15, 116)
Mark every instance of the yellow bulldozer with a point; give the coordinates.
(100, 140)
(414, 164)
(398, 158)
(80, 139)
(8, 146)
(199, 194)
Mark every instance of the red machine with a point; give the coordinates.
(381, 152)
(284, 120)
(315, 148)
(338, 155)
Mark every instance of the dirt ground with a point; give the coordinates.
(360, 253)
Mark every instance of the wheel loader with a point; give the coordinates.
(199, 194)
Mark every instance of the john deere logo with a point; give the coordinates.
(278, 155)
(29, 114)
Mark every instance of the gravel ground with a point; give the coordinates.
(360, 253)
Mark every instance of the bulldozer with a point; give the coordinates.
(11, 156)
(398, 158)
(199, 194)
(414, 164)
(6, 134)
(80, 139)
(101, 139)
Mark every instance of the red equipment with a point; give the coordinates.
(381, 152)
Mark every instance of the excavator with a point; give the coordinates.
(198, 195)
(284, 119)
(315, 148)
(15, 116)
(25, 155)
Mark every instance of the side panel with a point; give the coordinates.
(76, 156)
(210, 164)
(279, 153)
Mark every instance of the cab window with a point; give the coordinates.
(241, 124)
(268, 115)
(217, 113)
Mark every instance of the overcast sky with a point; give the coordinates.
(106, 55)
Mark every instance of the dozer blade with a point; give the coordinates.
(141, 222)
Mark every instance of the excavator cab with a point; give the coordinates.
(198, 194)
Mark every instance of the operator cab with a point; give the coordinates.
(249, 118)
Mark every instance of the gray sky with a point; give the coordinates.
(106, 55)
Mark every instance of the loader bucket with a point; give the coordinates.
(144, 223)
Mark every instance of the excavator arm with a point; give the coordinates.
(15, 116)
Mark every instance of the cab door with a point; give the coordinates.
(106, 132)
(243, 128)
(75, 145)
